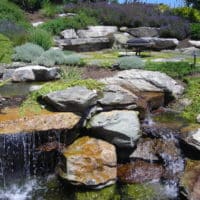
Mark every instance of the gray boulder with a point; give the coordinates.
(144, 32)
(97, 31)
(74, 99)
(162, 43)
(69, 34)
(120, 40)
(195, 43)
(198, 118)
(119, 127)
(84, 44)
(32, 73)
(2, 69)
(115, 96)
(143, 80)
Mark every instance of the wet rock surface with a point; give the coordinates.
(191, 180)
(89, 162)
(120, 127)
(139, 172)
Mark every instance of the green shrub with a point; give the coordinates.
(27, 53)
(195, 31)
(173, 69)
(189, 13)
(192, 93)
(74, 60)
(130, 62)
(11, 12)
(71, 73)
(41, 38)
(51, 57)
(79, 21)
(28, 4)
(6, 49)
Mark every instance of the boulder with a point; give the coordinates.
(142, 80)
(195, 43)
(89, 162)
(97, 31)
(144, 32)
(32, 73)
(139, 172)
(120, 40)
(35, 24)
(190, 180)
(161, 43)
(74, 99)
(115, 97)
(2, 69)
(84, 44)
(120, 127)
(42, 122)
(69, 34)
(189, 51)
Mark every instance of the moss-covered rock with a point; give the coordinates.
(6, 49)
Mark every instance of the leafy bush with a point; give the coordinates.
(189, 13)
(192, 93)
(81, 20)
(41, 38)
(130, 62)
(16, 33)
(195, 31)
(173, 69)
(6, 49)
(49, 9)
(27, 53)
(11, 12)
(74, 60)
(51, 57)
(130, 15)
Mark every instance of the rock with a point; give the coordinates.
(115, 97)
(2, 69)
(161, 43)
(198, 118)
(74, 99)
(69, 34)
(192, 138)
(123, 29)
(120, 40)
(84, 44)
(144, 32)
(35, 24)
(189, 51)
(168, 60)
(34, 88)
(89, 162)
(195, 43)
(140, 43)
(129, 53)
(32, 73)
(97, 31)
(148, 81)
(139, 172)
(120, 127)
(42, 122)
(191, 180)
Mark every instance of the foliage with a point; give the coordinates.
(11, 12)
(108, 193)
(74, 60)
(27, 53)
(195, 31)
(70, 73)
(139, 192)
(192, 93)
(16, 33)
(81, 20)
(193, 3)
(173, 69)
(6, 49)
(31, 103)
(41, 38)
(2, 83)
(49, 9)
(132, 15)
(192, 14)
(130, 62)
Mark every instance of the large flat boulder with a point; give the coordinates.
(89, 162)
(74, 99)
(96, 31)
(142, 80)
(144, 32)
(120, 127)
(69, 34)
(120, 40)
(162, 43)
(32, 73)
(84, 44)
